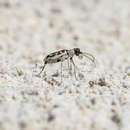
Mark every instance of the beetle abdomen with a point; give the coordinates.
(58, 59)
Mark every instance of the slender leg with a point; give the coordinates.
(69, 67)
(68, 63)
(61, 71)
(74, 68)
(42, 68)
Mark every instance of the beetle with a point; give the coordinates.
(62, 55)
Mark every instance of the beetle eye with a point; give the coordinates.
(77, 51)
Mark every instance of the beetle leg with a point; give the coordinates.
(69, 67)
(74, 68)
(43, 67)
(61, 71)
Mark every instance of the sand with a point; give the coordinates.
(99, 99)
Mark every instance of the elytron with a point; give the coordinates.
(62, 55)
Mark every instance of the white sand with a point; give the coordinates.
(29, 30)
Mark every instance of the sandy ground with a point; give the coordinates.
(31, 29)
